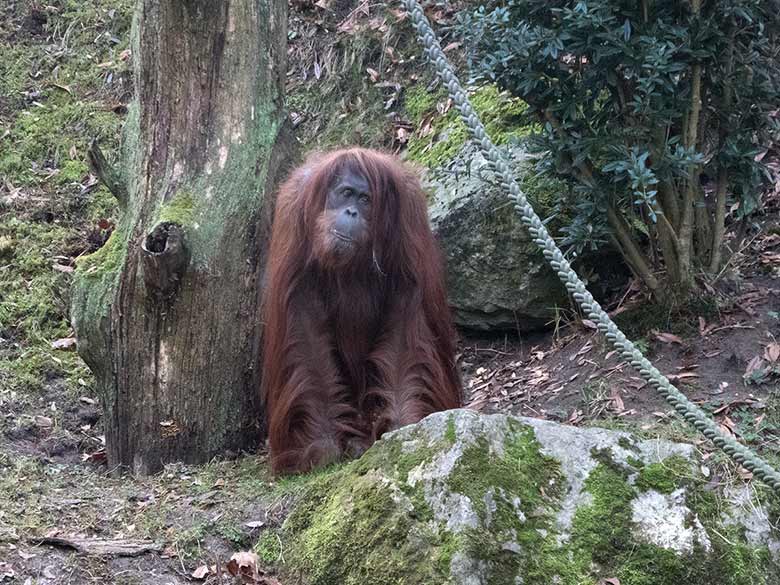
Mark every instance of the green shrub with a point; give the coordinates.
(643, 107)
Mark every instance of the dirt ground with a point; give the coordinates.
(188, 522)
(575, 377)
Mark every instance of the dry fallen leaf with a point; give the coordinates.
(745, 474)
(728, 406)
(66, 343)
(772, 352)
(43, 421)
(668, 338)
(243, 564)
(200, 573)
(6, 572)
(728, 427)
(617, 400)
(96, 457)
(245, 559)
(682, 376)
(753, 365)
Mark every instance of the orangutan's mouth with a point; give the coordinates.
(342, 237)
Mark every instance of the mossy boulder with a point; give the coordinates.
(464, 498)
(497, 277)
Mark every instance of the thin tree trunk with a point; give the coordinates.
(684, 277)
(633, 255)
(703, 231)
(167, 311)
(668, 240)
(719, 222)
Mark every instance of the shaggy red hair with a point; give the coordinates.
(353, 351)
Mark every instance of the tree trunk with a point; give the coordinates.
(721, 190)
(683, 281)
(166, 312)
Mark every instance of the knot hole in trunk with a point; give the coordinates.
(165, 259)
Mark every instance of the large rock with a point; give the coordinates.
(470, 499)
(497, 277)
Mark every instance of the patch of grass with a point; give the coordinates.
(345, 107)
(34, 307)
(269, 547)
(52, 130)
(32, 494)
(58, 85)
(34, 302)
(595, 398)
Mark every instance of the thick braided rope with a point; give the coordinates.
(689, 411)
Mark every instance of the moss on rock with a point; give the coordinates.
(463, 498)
(501, 115)
(602, 532)
(360, 531)
(420, 101)
(664, 476)
(371, 518)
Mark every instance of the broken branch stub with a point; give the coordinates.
(107, 174)
(165, 258)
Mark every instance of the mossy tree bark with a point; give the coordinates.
(166, 312)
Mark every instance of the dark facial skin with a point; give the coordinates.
(349, 207)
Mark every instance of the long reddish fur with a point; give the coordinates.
(352, 352)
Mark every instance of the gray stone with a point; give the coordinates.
(472, 499)
(664, 520)
(497, 278)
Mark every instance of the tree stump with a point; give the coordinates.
(167, 311)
